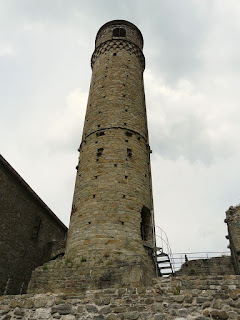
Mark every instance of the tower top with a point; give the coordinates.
(123, 29)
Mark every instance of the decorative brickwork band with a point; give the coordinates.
(117, 45)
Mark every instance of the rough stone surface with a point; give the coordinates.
(213, 266)
(176, 298)
(233, 223)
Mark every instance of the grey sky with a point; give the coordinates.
(191, 80)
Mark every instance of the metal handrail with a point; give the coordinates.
(196, 256)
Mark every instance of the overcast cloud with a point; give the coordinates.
(192, 55)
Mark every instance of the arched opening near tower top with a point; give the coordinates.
(146, 226)
(119, 32)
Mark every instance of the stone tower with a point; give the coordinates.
(112, 213)
(111, 236)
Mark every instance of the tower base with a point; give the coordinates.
(62, 276)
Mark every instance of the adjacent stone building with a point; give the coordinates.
(29, 231)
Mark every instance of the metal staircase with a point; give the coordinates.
(164, 263)
(163, 254)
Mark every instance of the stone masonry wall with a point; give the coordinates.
(233, 223)
(212, 266)
(180, 298)
(64, 276)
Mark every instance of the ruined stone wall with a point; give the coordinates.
(25, 229)
(213, 266)
(233, 223)
(181, 298)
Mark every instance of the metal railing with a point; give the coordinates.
(180, 258)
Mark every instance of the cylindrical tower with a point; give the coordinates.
(112, 213)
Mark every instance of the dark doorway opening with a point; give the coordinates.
(146, 225)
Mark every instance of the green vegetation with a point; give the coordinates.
(176, 290)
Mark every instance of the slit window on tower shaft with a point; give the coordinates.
(129, 152)
(99, 152)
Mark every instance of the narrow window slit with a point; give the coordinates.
(129, 152)
(99, 152)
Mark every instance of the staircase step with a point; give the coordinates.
(162, 255)
(166, 274)
(163, 261)
(167, 267)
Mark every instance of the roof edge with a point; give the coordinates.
(30, 190)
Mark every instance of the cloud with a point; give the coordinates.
(6, 50)
(185, 121)
(66, 128)
(191, 200)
